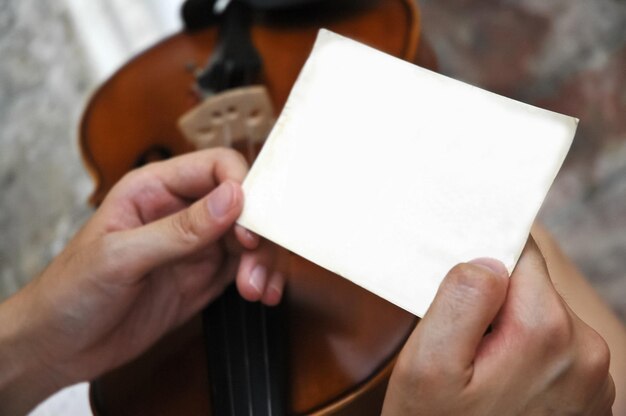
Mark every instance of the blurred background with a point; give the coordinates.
(565, 55)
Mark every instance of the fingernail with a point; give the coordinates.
(494, 266)
(257, 278)
(250, 236)
(221, 200)
(276, 283)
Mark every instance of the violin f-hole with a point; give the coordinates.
(153, 154)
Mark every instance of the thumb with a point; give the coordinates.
(179, 235)
(466, 303)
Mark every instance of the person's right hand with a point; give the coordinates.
(538, 358)
(156, 252)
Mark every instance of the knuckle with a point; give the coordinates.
(137, 176)
(404, 370)
(556, 331)
(225, 153)
(109, 255)
(611, 393)
(416, 372)
(424, 368)
(185, 228)
(550, 333)
(596, 357)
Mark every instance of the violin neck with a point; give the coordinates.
(244, 340)
(247, 369)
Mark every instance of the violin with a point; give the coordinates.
(330, 347)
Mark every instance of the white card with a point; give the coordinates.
(389, 174)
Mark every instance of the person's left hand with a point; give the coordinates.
(150, 258)
(490, 345)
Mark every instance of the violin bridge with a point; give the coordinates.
(244, 113)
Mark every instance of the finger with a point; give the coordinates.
(255, 270)
(274, 289)
(532, 296)
(533, 322)
(591, 366)
(240, 239)
(161, 188)
(466, 303)
(532, 260)
(610, 395)
(144, 248)
(193, 175)
(604, 400)
(247, 238)
(251, 278)
(597, 398)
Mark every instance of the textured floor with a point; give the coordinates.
(566, 55)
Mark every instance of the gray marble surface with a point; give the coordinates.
(44, 82)
(567, 55)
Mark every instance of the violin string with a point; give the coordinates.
(225, 335)
(266, 361)
(250, 140)
(246, 355)
(227, 134)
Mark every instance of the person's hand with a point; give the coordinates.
(150, 258)
(490, 345)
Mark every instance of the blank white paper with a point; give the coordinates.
(389, 174)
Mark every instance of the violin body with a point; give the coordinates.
(133, 117)
(341, 341)
(342, 344)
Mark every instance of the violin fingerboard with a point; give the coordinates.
(247, 370)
